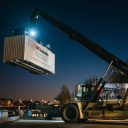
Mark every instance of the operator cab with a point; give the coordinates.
(83, 92)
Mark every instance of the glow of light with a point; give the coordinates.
(32, 33)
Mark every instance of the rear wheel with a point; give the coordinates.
(70, 113)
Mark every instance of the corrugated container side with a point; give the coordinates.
(25, 52)
(13, 48)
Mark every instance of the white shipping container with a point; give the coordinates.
(24, 51)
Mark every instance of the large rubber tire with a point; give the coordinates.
(70, 113)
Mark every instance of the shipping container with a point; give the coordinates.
(25, 52)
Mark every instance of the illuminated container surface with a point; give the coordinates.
(25, 52)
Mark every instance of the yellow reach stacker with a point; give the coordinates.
(90, 106)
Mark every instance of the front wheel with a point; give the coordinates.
(70, 113)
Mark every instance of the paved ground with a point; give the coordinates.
(60, 124)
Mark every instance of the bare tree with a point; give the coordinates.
(91, 82)
(64, 96)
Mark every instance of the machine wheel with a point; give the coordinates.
(70, 113)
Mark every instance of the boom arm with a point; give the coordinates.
(85, 41)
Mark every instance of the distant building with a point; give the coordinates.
(6, 102)
(3, 114)
(110, 91)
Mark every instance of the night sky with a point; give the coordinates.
(103, 21)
